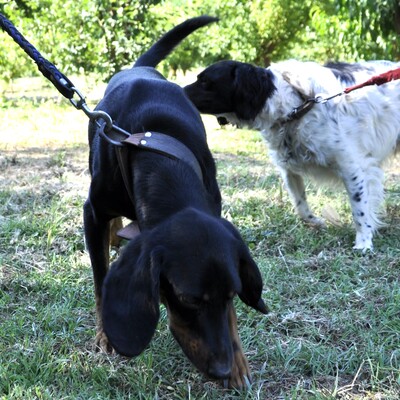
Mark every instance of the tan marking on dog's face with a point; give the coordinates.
(192, 346)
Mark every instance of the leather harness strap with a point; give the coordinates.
(130, 231)
(159, 143)
(166, 145)
(122, 162)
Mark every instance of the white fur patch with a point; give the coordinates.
(347, 138)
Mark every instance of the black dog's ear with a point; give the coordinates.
(252, 85)
(249, 274)
(130, 301)
(251, 281)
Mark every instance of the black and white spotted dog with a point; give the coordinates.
(347, 137)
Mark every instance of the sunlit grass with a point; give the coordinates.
(333, 329)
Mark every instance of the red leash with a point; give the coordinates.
(377, 80)
(298, 112)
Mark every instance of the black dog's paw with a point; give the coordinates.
(240, 376)
(102, 344)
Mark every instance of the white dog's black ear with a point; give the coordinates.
(130, 303)
(252, 87)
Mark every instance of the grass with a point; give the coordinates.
(334, 327)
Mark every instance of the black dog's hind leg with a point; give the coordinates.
(97, 238)
(115, 226)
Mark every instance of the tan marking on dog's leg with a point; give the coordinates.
(101, 342)
(115, 226)
(240, 375)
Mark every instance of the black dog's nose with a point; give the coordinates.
(219, 370)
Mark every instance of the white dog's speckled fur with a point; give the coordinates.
(346, 138)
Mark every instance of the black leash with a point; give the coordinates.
(59, 80)
(64, 85)
(154, 141)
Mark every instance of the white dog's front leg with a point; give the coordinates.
(295, 186)
(365, 190)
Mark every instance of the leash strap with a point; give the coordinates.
(377, 80)
(59, 80)
(151, 141)
(122, 162)
(298, 112)
(308, 104)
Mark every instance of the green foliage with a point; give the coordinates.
(255, 31)
(261, 31)
(350, 30)
(125, 28)
(104, 36)
(91, 35)
(279, 24)
(377, 23)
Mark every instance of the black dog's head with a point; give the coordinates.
(232, 87)
(195, 264)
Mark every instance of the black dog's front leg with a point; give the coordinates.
(240, 375)
(97, 238)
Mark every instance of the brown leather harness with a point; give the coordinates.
(158, 143)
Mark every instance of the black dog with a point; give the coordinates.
(186, 255)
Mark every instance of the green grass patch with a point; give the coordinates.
(334, 327)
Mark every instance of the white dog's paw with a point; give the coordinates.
(315, 221)
(364, 243)
(364, 250)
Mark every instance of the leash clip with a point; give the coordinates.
(80, 104)
(320, 100)
(323, 100)
(106, 128)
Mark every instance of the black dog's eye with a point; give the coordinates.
(231, 295)
(189, 301)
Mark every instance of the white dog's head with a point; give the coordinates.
(232, 88)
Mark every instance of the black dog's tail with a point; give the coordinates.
(166, 44)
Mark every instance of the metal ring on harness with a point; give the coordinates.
(105, 130)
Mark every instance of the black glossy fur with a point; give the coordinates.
(242, 89)
(187, 256)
